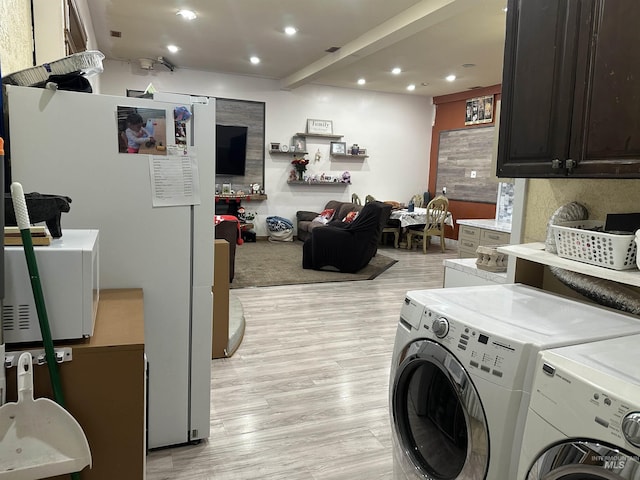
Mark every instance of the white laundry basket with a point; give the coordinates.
(580, 240)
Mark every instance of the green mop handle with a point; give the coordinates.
(22, 217)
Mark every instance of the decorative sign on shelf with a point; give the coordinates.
(479, 110)
(319, 127)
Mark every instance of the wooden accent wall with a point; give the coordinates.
(450, 114)
(252, 115)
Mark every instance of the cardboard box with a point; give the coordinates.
(220, 299)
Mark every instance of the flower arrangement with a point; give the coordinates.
(300, 164)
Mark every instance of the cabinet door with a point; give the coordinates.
(607, 114)
(537, 86)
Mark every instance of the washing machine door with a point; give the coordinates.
(439, 423)
(585, 460)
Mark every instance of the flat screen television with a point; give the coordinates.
(231, 149)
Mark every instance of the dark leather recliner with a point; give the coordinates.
(347, 247)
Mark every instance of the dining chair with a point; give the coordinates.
(418, 200)
(355, 199)
(436, 214)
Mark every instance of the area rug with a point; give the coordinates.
(264, 263)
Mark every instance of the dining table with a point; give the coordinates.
(417, 217)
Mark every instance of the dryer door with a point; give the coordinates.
(585, 460)
(438, 419)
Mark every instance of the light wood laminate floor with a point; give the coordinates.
(305, 396)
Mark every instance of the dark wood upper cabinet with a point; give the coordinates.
(571, 89)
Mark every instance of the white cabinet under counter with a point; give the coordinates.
(476, 232)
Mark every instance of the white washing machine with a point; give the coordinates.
(583, 421)
(462, 368)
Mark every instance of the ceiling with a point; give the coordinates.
(428, 39)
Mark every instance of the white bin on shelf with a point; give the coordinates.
(580, 241)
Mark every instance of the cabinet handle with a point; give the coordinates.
(569, 164)
(493, 237)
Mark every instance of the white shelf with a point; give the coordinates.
(534, 252)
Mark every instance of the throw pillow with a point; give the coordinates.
(328, 213)
(325, 216)
(351, 216)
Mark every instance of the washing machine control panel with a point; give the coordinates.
(602, 407)
(490, 356)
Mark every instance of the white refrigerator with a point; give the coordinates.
(67, 143)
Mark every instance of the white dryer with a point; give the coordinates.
(462, 368)
(583, 420)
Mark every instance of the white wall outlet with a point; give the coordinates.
(473, 174)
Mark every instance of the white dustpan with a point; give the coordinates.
(38, 438)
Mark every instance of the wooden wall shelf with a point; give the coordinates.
(302, 182)
(257, 197)
(319, 135)
(348, 155)
(280, 152)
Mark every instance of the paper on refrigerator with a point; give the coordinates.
(174, 180)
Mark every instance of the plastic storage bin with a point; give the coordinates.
(576, 241)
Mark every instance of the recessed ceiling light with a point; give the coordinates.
(396, 70)
(361, 81)
(254, 60)
(290, 30)
(173, 48)
(411, 87)
(450, 78)
(187, 14)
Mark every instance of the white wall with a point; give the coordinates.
(395, 130)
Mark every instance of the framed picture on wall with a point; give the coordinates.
(298, 144)
(479, 110)
(338, 148)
